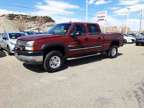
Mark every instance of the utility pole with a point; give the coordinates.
(127, 20)
(86, 14)
(141, 17)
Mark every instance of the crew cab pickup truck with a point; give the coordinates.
(66, 40)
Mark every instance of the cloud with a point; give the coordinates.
(99, 2)
(5, 11)
(130, 9)
(59, 10)
(128, 2)
(135, 24)
(55, 7)
(112, 21)
(92, 1)
(62, 19)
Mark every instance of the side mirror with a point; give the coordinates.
(75, 34)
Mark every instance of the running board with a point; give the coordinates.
(84, 56)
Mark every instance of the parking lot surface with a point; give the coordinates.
(93, 82)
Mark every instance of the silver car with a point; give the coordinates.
(8, 41)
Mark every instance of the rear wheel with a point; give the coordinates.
(54, 61)
(113, 52)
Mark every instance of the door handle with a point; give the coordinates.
(99, 38)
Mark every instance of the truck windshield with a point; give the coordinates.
(59, 29)
(15, 35)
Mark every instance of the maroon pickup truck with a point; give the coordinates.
(66, 40)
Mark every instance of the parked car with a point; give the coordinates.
(34, 33)
(1, 34)
(8, 41)
(66, 40)
(140, 39)
(129, 38)
(133, 34)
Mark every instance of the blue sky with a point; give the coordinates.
(74, 10)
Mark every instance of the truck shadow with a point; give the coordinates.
(87, 60)
(34, 68)
(69, 63)
(2, 54)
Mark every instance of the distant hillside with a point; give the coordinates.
(18, 22)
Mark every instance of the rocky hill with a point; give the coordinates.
(19, 23)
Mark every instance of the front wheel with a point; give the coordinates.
(113, 52)
(53, 61)
(8, 50)
(0, 47)
(137, 44)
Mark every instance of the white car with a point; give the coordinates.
(8, 41)
(129, 38)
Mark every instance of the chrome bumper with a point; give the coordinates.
(30, 59)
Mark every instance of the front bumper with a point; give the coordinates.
(139, 41)
(30, 57)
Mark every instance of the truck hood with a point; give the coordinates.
(35, 37)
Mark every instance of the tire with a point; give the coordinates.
(125, 41)
(137, 44)
(8, 50)
(113, 52)
(0, 48)
(53, 61)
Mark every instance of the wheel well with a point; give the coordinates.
(53, 48)
(115, 43)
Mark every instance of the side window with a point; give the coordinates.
(5, 37)
(93, 29)
(80, 28)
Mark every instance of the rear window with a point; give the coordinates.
(15, 35)
(93, 29)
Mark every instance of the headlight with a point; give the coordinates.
(29, 45)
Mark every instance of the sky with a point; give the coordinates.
(74, 10)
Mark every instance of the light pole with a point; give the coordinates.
(127, 20)
(141, 17)
(86, 14)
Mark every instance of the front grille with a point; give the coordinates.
(20, 45)
(140, 39)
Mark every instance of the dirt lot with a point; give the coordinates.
(93, 82)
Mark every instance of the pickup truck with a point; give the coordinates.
(66, 40)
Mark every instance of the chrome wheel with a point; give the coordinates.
(113, 52)
(55, 62)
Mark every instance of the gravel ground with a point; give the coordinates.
(92, 82)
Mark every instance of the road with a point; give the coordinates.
(93, 82)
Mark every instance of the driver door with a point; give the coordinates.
(79, 41)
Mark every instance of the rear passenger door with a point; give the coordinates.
(95, 38)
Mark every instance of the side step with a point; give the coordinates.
(84, 56)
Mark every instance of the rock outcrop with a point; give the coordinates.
(19, 23)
